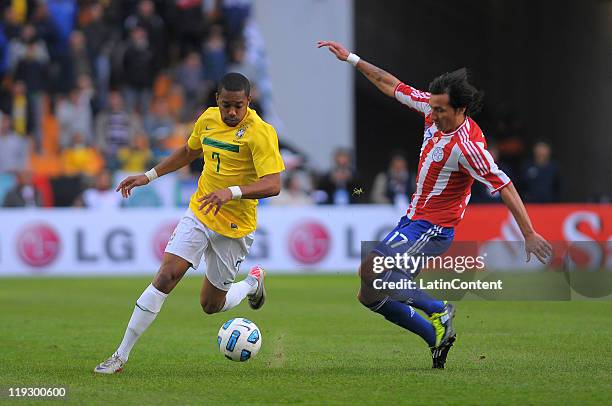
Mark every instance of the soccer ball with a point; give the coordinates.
(239, 339)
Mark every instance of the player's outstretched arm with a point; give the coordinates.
(266, 186)
(384, 81)
(179, 158)
(534, 242)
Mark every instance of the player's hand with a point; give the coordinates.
(130, 183)
(335, 48)
(215, 199)
(537, 245)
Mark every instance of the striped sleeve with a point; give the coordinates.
(413, 98)
(480, 164)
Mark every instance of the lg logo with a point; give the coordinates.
(309, 242)
(38, 245)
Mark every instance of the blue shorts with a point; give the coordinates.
(416, 238)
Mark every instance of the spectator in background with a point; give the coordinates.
(102, 195)
(31, 69)
(152, 23)
(139, 71)
(10, 26)
(99, 39)
(541, 178)
(46, 29)
(24, 194)
(62, 14)
(136, 158)
(26, 43)
(395, 185)
(159, 124)
(235, 14)
(189, 76)
(240, 63)
(293, 192)
(14, 148)
(191, 25)
(115, 129)
(75, 115)
(79, 158)
(80, 64)
(213, 55)
(20, 110)
(339, 183)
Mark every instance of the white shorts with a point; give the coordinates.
(223, 255)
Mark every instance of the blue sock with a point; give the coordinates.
(406, 317)
(415, 297)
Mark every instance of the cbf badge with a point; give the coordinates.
(240, 132)
(438, 154)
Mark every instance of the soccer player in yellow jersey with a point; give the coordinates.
(242, 163)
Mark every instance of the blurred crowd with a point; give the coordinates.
(91, 90)
(537, 178)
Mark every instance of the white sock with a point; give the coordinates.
(145, 311)
(239, 291)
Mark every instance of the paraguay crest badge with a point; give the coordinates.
(240, 132)
(438, 154)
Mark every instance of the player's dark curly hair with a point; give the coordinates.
(235, 82)
(459, 90)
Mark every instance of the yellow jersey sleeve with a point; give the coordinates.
(266, 155)
(194, 142)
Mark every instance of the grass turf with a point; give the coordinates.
(319, 347)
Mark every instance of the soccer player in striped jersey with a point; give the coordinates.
(453, 154)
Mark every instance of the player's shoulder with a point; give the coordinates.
(211, 113)
(473, 131)
(414, 93)
(260, 125)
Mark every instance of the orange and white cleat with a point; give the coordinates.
(257, 299)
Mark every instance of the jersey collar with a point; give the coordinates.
(456, 130)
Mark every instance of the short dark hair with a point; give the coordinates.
(235, 82)
(460, 92)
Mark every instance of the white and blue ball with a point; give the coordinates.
(239, 339)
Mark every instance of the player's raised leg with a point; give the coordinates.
(147, 307)
(223, 258)
(214, 300)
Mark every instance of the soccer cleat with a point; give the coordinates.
(257, 299)
(443, 324)
(112, 365)
(439, 354)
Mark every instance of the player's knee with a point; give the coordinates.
(166, 279)
(210, 307)
(366, 268)
(364, 299)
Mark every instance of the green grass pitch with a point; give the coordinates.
(319, 347)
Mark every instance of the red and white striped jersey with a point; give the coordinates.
(448, 165)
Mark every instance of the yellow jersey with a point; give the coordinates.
(233, 156)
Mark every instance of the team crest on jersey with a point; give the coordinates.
(438, 154)
(240, 132)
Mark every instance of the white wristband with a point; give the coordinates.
(236, 192)
(151, 174)
(353, 59)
